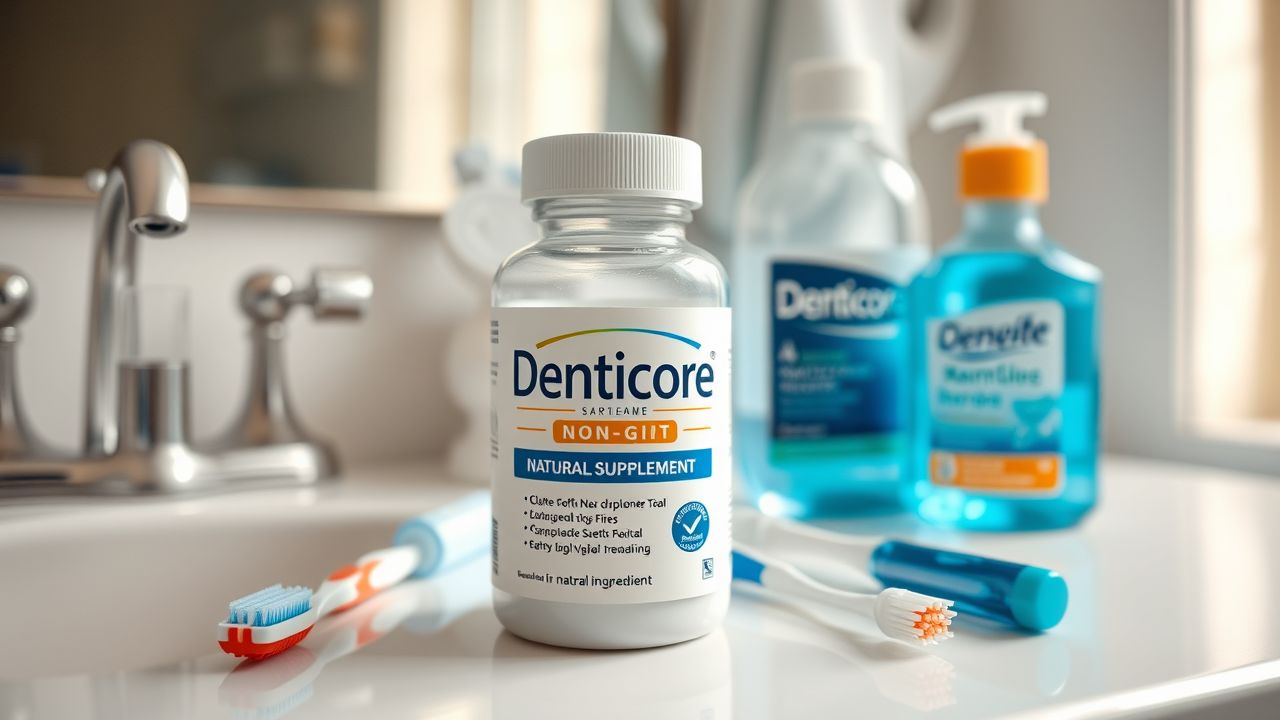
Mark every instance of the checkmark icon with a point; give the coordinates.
(692, 526)
(692, 535)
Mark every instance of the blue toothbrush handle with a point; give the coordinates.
(449, 535)
(1026, 596)
(747, 568)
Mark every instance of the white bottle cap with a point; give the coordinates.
(612, 165)
(836, 89)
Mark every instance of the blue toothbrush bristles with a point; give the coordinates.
(270, 605)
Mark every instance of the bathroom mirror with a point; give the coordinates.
(337, 104)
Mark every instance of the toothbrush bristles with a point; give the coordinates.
(913, 617)
(270, 605)
(934, 623)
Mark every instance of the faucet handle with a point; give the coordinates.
(267, 419)
(95, 179)
(17, 440)
(16, 296)
(334, 294)
(339, 294)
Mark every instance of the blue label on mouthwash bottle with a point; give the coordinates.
(995, 380)
(839, 343)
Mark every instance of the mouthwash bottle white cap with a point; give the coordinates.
(1002, 160)
(836, 90)
(613, 165)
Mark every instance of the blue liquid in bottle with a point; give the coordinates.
(1003, 261)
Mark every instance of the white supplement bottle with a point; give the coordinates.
(611, 408)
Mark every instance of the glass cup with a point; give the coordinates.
(154, 325)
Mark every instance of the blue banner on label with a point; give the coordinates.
(612, 467)
(839, 342)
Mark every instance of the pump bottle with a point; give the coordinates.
(1006, 365)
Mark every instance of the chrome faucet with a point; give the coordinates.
(137, 435)
(143, 192)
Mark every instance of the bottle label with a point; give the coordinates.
(840, 356)
(611, 457)
(995, 393)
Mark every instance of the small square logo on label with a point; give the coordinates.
(708, 568)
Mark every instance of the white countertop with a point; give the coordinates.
(1171, 580)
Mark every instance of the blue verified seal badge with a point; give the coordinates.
(690, 527)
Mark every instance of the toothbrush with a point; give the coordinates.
(900, 614)
(268, 622)
(1024, 596)
(422, 608)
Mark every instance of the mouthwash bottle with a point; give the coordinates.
(1007, 325)
(831, 231)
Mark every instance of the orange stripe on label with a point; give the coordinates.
(614, 432)
(1038, 473)
(688, 409)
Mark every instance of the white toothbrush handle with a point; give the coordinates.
(840, 560)
(789, 581)
(374, 572)
(366, 625)
(785, 535)
(786, 580)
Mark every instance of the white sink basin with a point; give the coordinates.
(136, 585)
(108, 609)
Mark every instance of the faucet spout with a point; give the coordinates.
(143, 192)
